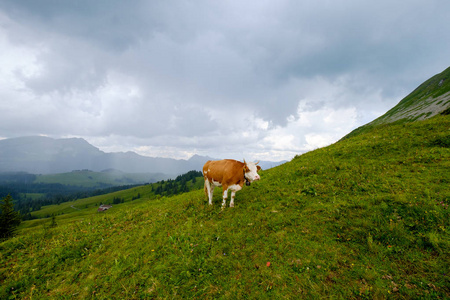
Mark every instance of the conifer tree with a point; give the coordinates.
(9, 218)
(53, 222)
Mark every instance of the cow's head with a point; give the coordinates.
(251, 171)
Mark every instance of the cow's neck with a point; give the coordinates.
(247, 182)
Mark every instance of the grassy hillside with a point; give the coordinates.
(181, 183)
(86, 178)
(429, 99)
(366, 217)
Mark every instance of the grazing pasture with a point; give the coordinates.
(366, 217)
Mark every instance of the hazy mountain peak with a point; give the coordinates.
(44, 155)
(197, 157)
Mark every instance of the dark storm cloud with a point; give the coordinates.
(257, 76)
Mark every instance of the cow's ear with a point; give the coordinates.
(258, 168)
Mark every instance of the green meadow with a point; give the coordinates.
(149, 191)
(364, 218)
(86, 178)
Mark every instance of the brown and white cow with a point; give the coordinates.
(230, 174)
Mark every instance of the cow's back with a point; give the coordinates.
(214, 170)
(228, 170)
(210, 170)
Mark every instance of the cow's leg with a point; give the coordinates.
(211, 193)
(232, 198)
(225, 196)
(206, 188)
(234, 189)
(209, 189)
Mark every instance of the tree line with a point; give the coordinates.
(52, 193)
(178, 185)
(19, 187)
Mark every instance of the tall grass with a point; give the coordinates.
(366, 217)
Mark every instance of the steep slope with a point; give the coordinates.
(366, 217)
(429, 99)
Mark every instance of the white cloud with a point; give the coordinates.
(310, 130)
(253, 79)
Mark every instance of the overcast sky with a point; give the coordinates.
(260, 80)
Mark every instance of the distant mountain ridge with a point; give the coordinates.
(429, 99)
(44, 155)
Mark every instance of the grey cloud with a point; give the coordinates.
(202, 73)
(115, 24)
(65, 70)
